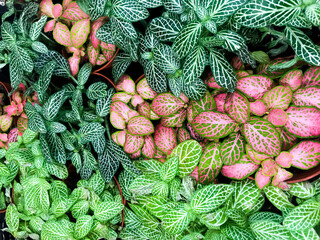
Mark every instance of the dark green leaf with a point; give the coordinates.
(165, 29)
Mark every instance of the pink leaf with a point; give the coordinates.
(121, 137)
(183, 135)
(258, 108)
(136, 155)
(49, 25)
(255, 86)
(195, 173)
(278, 117)
(165, 104)
(206, 103)
(13, 135)
(144, 109)
(93, 54)
(311, 77)
(22, 124)
(79, 32)
(281, 176)
(149, 149)
(5, 122)
(74, 13)
(241, 74)
(132, 113)
(174, 120)
(212, 83)
(65, 3)
(306, 154)
(210, 163)
(136, 100)
(145, 90)
(46, 7)
(237, 64)
(126, 84)
(140, 125)
(122, 97)
(269, 167)
(293, 79)
(133, 143)
(74, 62)
(95, 26)
(108, 54)
(184, 98)
(12, 109)
(154, 116)
(284, 159)
(288, 140)
(101, 60)
(220, 100)
(278, 97)
(240, 170)
(232, 148)
(62, 34)
(117, 120)
(303, 121)
(262, 180)
(3, 137)
(57, 10)
(264, 68)
(256, 157)
(159, 155)
(309, 96)
(193, 133)
(238, 107)
(213, 124)
(262, 137)
(121, 108)
(114, 137)
(165, 139)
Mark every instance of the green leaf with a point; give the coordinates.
(260, 56)
(96, 8)
(309, 234)
(39, 47)
(165, 29)
(12, 219)
(219, 9)
(194, 64)
(96, 183)
(53, 230)
(237, 233)
(120, 64)
(16, 73)
(129, 10)
(36, 28)
(210, 197)
(59, 190)
(83, 226)
(166, 59)
(222, 71)
(150, 3)
(84, 73)
(155, 77)
(265, 216)
(304, 190)
(150, 168)
(214, 219)
(260, 13)
(195, 90)
(187, 39)
(53, 104)
(7, 33)
(175, 85)
(312, 13)
(90, 132)
(24, 60)
(300, 21)
(124, 27)
(238, 217)
(146, 218)
(142, 185)
(302, 45)
(278, 198)
(175, 221)
(108, 166)
(169, 169)
(80, 208)
(4, 171)
(104, 34)
(97, 90)
(173, 6)
(232, 40)
(266, 230)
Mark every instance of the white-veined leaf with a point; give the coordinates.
(165, 29)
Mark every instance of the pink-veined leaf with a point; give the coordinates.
(256, 157)
(288, 140)
(149, 149)
(232, 148)
(284, 159)
(258, 107)
(93, 54)
(140, 125)
(236, 63)
(206, 103)
(309, 96)
(144, 109)
(126, 84)
(211, 83)
(159, 155)
(165, 139)
(74, 62)
(108, 46)
(255, 86)
(136, 100)
(210, 163)
(94, 28)
(121, 108)
(293, 79)
(262, 137)
(193, 133)
(278, 97)
(57, 11)
(183, 135)
(281, 176)
(153, 115)
(62, 34)
(101, 60)
(237, 105)
(165, 104)
(184, 98)
(264, 68)
(144, 90)
(269, 168)
(240, 170)
(114, 137)
(3, 137)
(65, 3)
(133, 143)
(121, 137)
(46, 7)
(13, 135)
(108, 52)
(213, 125)
(122, 97)
(50, 25)
(261, 180)
(278, 117)
(80, 32)
(303, 121)
(136, 155)
(22, 124)
(117, 120)
(132, 113)
(306, 154)
(241, 74)
(174, 120)
(311, 77)
(5, 122)
(220, 100)
(74, 13)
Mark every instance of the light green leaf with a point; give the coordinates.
(303, 190)
(12, 219)
(52, 230)
(145, 217)
(83, 226)
(142, 185)
(214, 219)
(90, 132)
(175, 221)
(277, 197)
(309, 234)
(266, 230)
(150, 168)
(165, 29)
(166, 59)
(107, 210)
(194, 64)
(238, 217)
(36, 28)
(312, 13)
(129, 10)
(80, 208)
(131, 220)
(169, 169)
(96, 183)
(59, 190)
(4, 171)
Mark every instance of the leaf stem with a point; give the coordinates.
(107, 128)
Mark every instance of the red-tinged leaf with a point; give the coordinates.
(262, 180)
(269, 168)
(136, 100)
(309, 96)
(126, 84)
(183, 135)
(293, 79)
(237, 105)
(140, 125)
(303, 121)
(46, 7)
(3, 137)
(237, 64)
(165, 139)
(5, 122)
(22, 124)
(258, 107)
(121, 137)
(144, 90)
(206, 103)
(80, 32)
(278, 97)
(213, 125)
(62, 34)
(94, 28)
(159, 155)
(154, 116)
(240, 170)
(101, 60)
(136, 155)
(281, 176)
(149, 149)
(220, 100)
(13, 135)
(74, 13)
(195, 173)
(174, 120)
(122, 97)
(93, 54)
(193, 133)
(211, 83)
(117, 120)
(57, 10)
(255, 86)
(50, 25)
(284, 159)
(311, 77)
(133, 143)
(65, 3)
(241, 74)
(184, 98)
(144, 109)
(132, 113)
(278, 117)
(166, 104)
(121, 108)
(232, 148)
(210, 163)
(306, 154)
(264, 68)
(74, 62)
(108, 52)
(256, 157)
(262, 137)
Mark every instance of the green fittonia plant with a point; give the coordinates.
(43, 208)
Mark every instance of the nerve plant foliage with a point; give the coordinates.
(176, 47)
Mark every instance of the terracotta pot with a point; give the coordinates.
(108, 64)
(141, 77)
(7, 88)
(106, 78)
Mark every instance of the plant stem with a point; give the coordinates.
(107, 128)
(46, 37)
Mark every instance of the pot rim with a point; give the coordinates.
(108, 64)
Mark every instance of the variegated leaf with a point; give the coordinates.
(311, 77)
(165, 139)
(237, 105)
(148, 150)
(165, 104)
(293, 79)
(305, 154)
(240, 170)
(309, 96)
(255, 86)
(232, 148)
(140, 125)
(133, 143)
(278, 97)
